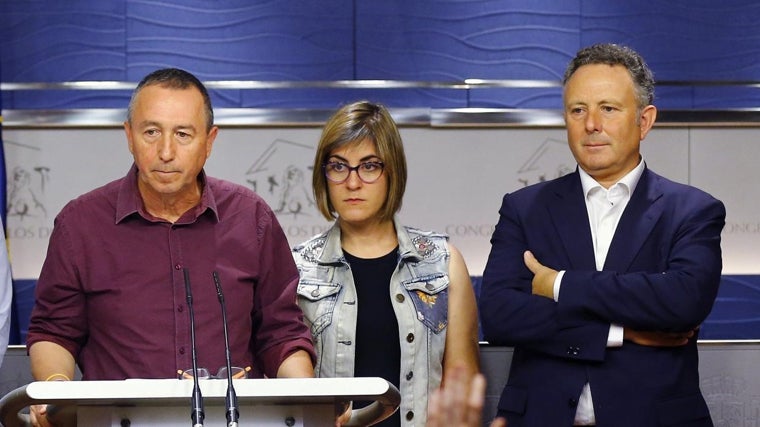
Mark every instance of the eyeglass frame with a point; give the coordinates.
(353, 169)
(187, 374)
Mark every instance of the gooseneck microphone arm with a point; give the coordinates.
(196, 401)
(231, 398)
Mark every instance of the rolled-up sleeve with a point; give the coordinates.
(278, 326)
(59, 312)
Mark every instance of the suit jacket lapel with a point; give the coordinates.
(570, 218)
(636, 223)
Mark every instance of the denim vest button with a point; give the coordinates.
(410, 338)
(409, 375)
(429, 286)
(400, 297)
(315, 293)
(409, 415)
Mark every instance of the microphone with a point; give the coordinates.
(231, 398)
(196, 401)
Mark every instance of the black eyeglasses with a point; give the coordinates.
(368, 172)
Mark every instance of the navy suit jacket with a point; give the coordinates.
(661, 273)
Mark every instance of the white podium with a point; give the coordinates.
(292, 402)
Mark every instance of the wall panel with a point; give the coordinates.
(457, 177)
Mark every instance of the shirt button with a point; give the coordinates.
(180, 308)
(178, 267)
(400, 297)
(573, 351)
(182, 350)
(409, 375)
(409, 415)
(410, 338)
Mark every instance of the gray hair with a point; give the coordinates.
(174, 78)
(613, 54)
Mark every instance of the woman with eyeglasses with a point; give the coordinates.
(381, 299)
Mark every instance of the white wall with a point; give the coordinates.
(456, 178)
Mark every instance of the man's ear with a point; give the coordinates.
(647, 119)
(128, 133)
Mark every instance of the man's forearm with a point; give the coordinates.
(49, 361)
(297, 365)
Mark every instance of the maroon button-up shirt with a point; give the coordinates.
(112, 290)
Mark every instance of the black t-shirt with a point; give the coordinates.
(378, 352)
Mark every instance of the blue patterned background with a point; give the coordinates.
(420, 40)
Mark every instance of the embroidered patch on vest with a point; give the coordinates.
(432, 310)
(424, 245)
(313, 249)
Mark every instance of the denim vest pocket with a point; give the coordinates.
(430, 296)
(317, 300)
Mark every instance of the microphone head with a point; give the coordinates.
(218, 285)
(188, 292)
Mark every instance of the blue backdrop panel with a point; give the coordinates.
(23, 292)
(455, 40)
(66, 99)
(433, 40)
(242, 40)
(735, 314)
(717, 97)
(333, 98)
(52, 41)
(550, 98)
(681, 39)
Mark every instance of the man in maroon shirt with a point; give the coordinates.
(111, 295)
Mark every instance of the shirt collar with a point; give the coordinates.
(630, 180)
(129, 201)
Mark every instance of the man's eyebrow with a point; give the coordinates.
(147, 123)
(181, 127)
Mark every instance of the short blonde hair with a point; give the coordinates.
(352, 124)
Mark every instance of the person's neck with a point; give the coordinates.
(169, 207)
(368, 240)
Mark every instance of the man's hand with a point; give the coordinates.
(543, 277)
(658, 339)
(38, 416)
(344, 417)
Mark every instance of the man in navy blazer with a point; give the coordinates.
(601, 278)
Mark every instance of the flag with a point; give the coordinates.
(3, 186)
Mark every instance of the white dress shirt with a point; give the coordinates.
(605, 206)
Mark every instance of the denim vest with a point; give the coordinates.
(419, 292)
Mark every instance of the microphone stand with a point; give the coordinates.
(196, 401)
(231, 398)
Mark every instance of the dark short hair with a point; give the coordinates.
(174, 78)
(613, 54)
(353, 124)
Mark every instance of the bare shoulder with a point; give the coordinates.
(458, 274)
